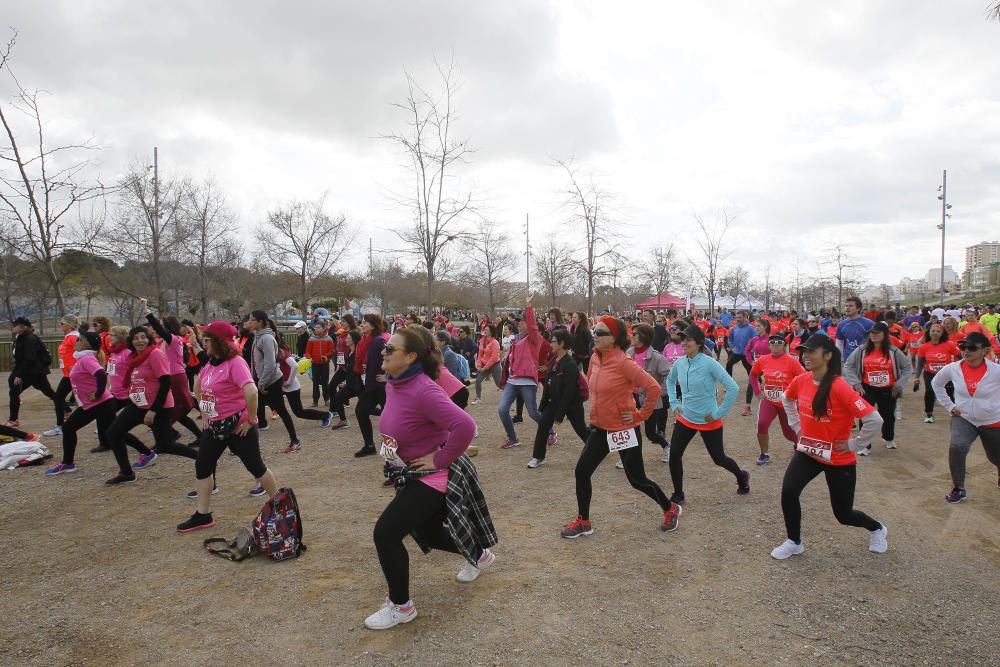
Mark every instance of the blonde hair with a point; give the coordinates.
(71, 320)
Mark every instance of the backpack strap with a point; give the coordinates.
(225, 552)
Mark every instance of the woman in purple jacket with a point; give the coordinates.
(423, 434)
(757, 347)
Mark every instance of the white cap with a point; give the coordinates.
(301, 324)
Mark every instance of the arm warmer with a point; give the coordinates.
(161, 394)
(158, 327)
(102, 382)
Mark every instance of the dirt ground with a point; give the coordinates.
(97, 576)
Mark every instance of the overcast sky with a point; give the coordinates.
(821, 123)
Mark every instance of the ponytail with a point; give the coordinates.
(822, 397)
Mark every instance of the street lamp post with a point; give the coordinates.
(943, 189)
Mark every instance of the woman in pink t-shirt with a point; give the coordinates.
(147, 376)
(117, 362)
(227, 397)
(174, 345)
(90, 386)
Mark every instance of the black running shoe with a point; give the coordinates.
(196, 522)
(364, 451)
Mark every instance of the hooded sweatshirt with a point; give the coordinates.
(265, 358)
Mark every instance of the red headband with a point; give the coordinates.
(611, 324)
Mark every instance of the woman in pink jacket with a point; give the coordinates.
(757, 347)
(487, 361)
(423, 435)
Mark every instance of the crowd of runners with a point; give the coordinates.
(833, 381)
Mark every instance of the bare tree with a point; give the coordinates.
(385, 277)
(304, 240)
(210, 234)
(438, 205)
(844, 273)
(151, 224)
(711, 246)
(734, 284)
(659, 270)
(590, 210)
(491, 262)
(553, 268)
(40, 185)
(993, 11)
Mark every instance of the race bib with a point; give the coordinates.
(207, 405)
(817, 449)
(774, 393)
(62, 364)
(110, 370)
(619, 440)
(934, 368)
(137, 393)
(878, 378)
(390, 452)
(340, 360)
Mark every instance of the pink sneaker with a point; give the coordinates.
(553, 440)
(13, 423)
(508, 444)
(746, 411)
(293, 447)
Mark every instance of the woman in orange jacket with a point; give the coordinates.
(615, 421)
(70, 325)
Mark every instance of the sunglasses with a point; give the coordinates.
(389, 348)
(602, 332)
(965, 347)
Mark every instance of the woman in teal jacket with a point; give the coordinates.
(698, 375)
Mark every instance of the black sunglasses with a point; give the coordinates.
(389, 348)
(602, 332)
(965, 347)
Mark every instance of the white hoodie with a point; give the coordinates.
(980, 409)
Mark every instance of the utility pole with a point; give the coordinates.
(527, 258)
(371, 262)
(943, 189)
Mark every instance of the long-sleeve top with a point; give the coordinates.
(902, 369)
(172, 345)
(612, 377)
(26, 351)
(698, 378)
(320, 349)
(562, 387)
(421, 419)
(583, 343)
(660, 337)
(373, 363)
(980, 408)
(757, 347)
(522, 358)
(738, 338)
(300, 343)
(66, 349)
(489, 352)
(265, 358)
(658, 367)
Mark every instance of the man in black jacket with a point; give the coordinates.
(30, 369)
(302, 329)
(660, 333)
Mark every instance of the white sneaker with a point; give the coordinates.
(55, 430)
(666, 454)
(474, 401)
(898, 412)
(620, 465)
(391, 615)
(476, 434)
(877, 542)
(470, 572)
(787, 549)
(534, 463)
(890, 444)
(865, 451)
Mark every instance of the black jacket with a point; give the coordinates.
(562, 387)
(300, 344)
(583, 343)
(27, 352)
(660, 337)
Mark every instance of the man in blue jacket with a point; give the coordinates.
(737, 340)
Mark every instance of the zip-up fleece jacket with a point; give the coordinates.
(698, 378)
(902, 369)
(979, 409)
(319, 349)
(489, 353)
(658, 367)
(523, 353)
(611, 377)
(739, 338)
(265, 358)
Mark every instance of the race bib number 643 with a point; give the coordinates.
(619, 440)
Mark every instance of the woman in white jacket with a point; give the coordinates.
(975, 412)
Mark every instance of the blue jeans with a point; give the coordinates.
(510, 392)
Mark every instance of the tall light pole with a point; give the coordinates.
(527, 258)
(943, 189)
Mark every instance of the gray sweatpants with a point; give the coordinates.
(963, 435)
(491, 372)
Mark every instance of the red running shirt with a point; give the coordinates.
(938, 355)
(877, 370)
(776, 374)
(843, 406)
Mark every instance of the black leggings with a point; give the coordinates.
(246, 447)
(461, 398)
(340, 399)
(104, 413)
(929, 398)
(593, 453)
(841, 481)
(63, 390)
(575, 416)
(740, 358)
(295, 403)
(885, 403)
(130, 417)
(650, 426)
(679, 440)
(321, 381)
(39, 382)
(369, 398)
(275, 399)
(130, 439)
(416, 508)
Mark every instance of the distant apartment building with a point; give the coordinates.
(981, 265)
(933, 279)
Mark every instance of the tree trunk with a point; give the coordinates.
(430, 289)
(56, 285)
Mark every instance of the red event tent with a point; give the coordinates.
(667, 300)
